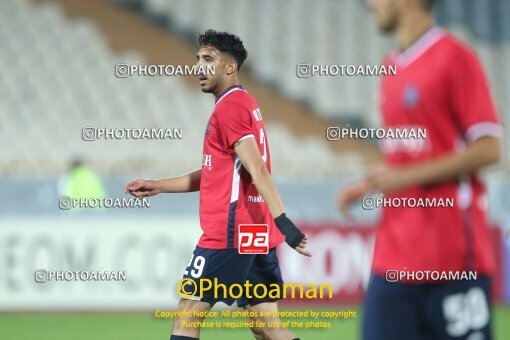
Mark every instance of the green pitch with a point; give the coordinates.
(97, 326)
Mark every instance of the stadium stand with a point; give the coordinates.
(296, 28)
(310, 33)
(59, 74)
(72, 79)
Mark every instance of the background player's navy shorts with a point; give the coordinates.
(230, 267)
(452, 310)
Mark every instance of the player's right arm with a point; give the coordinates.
(140, 187)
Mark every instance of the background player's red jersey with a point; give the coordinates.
(228, 196)
(440, 87)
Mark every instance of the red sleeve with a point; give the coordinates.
(235, 122)
(472, 102)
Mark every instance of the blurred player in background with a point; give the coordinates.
(235, 188)
(440, 87)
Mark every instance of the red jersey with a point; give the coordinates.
(439, 87)
(228, 196)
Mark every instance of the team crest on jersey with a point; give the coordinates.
(208, 128)
(257, 114)
(411, 96)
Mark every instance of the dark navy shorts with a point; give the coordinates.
(453, 310)
(232, 269)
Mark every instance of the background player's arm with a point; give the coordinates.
(479, 153)
(145, 187)
(249, 154)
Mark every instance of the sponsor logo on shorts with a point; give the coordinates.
(253, 239)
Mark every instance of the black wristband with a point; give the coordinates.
(293, 236)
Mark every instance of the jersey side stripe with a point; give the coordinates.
(234, 196)
(236, 178)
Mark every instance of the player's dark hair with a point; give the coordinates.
(225, 43)
(428, 4)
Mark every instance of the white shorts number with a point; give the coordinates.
(465, 312)
(196, 266)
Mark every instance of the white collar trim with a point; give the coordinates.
(418, 48)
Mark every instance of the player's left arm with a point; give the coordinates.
(249, 154)
(479, 153)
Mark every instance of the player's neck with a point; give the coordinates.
(413, 27)
(224, 87)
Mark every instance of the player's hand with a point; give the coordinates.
(349, 195)
(293, 236)
(301, 247)
(140, 188)
(388, 179)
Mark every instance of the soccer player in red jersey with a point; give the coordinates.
(439, 87)
(235, 188)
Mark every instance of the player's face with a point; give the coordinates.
(386, 14)
(206, 56)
